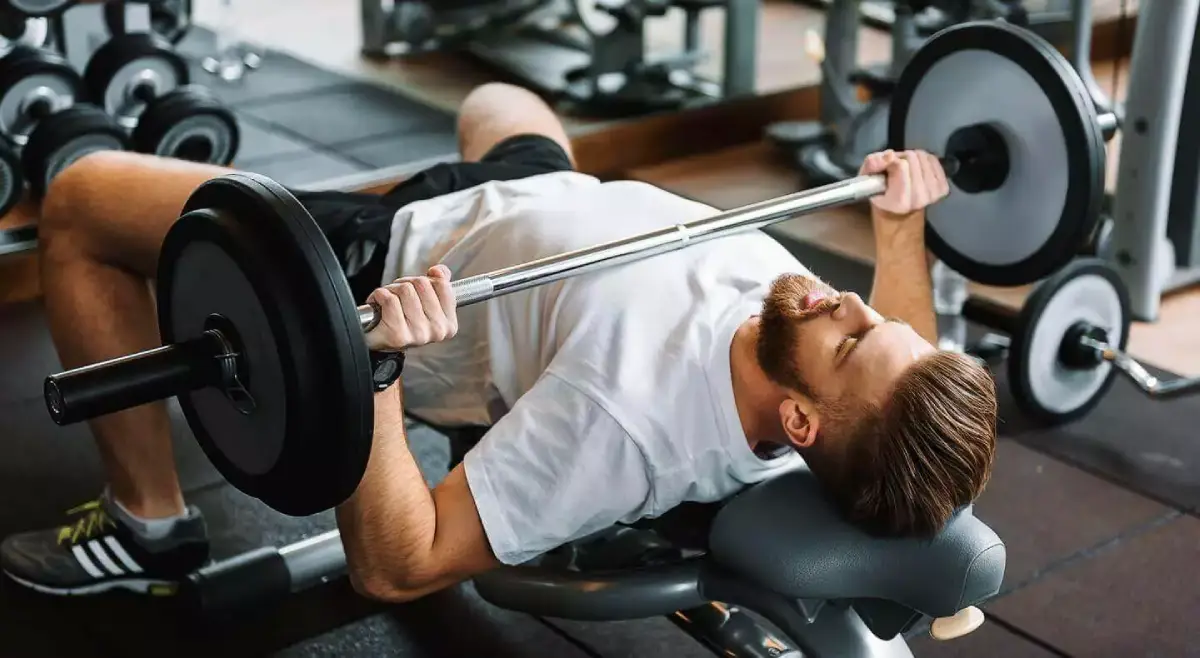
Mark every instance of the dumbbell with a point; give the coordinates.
(170, 19)
(37, 8)
(40, 116)
(143, 84)
(17, 29)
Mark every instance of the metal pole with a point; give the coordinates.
(314, 560)
(1153, 109)
(553, 268)
(741, 48)
(1150, 385)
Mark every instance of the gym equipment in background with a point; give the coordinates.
(590, 56)
(833, 148)
(1068, 342)
(143, 84)
(266, 353)
(37, 8)
(40, 115)
(1153, 241)
(413, 26)
(169, 19)
(19, 30)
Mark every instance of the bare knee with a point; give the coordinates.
(496, 111)
(488, 98)
(66, 203)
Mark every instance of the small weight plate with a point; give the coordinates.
(64, 137)
(595, 19)
(246, 251)
(39, 7)
(12, 181)
(1086, 290)
(17, 30)
(1011, 81)
(127, 62)
(169, 19)
(30, 77)
(189, 124)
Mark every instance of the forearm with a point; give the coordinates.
(902, 287)
(388, 524)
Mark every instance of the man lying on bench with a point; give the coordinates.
(610, 397)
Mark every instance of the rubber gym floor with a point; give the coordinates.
(1099, 516)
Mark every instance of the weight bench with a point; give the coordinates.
(777, 549)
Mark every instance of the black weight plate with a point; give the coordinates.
(12, 181)
(28, 75)
(38, 7)
(1010, 79)
(1086, 290)
(246, 250)
(169, 19)
(124, 62)
(65, 137)
(190, 124)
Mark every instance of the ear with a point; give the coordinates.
(801, 422)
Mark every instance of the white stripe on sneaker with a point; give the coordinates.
(84, 561)
(119, 551)
(98, 551)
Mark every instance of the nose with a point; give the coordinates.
(854, 313)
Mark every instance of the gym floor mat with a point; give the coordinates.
(278, 75)
(1133, 597)
(990, 641)
(302, 124)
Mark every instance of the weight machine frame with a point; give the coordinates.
(1155, 241)
(542, 56)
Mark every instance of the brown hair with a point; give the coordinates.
(925, 452)
(903, 466)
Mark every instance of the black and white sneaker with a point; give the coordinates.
(96, 552)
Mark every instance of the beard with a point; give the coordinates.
(789, 293)
(786, 308)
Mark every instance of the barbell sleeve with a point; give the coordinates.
(129, 381)
(1136, 372)
(483, 287)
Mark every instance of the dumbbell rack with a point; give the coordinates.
(78, 33)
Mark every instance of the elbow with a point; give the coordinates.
(385, 587)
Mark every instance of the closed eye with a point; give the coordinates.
(848, 344)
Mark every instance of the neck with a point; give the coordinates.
(757, 398)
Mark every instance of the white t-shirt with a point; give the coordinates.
(608, 395)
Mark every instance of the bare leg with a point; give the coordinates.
(496, 111)
(99, 247)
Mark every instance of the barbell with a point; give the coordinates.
(265, 346)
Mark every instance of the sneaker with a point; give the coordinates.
(95, 552)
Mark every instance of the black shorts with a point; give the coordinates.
(347, 218)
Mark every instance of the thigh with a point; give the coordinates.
(520, 156)
(117, 207)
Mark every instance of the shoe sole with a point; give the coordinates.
(136, 585)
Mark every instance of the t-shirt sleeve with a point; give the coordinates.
(555, 468)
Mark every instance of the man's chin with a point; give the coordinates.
(798, 296)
